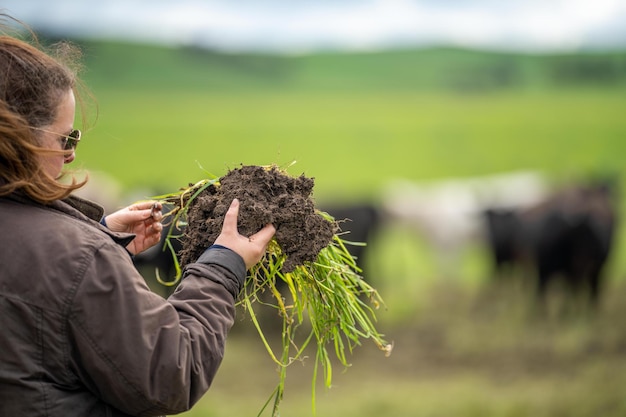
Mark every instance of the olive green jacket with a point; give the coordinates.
(82, 334)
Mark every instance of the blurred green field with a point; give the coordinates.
(355, 122)
(352, 122)
(353, 143)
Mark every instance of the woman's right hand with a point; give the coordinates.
(252, 248)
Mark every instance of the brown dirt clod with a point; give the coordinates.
(266, 195)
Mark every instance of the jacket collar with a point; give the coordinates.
(88, 208)
(81, 209)
(95, 212)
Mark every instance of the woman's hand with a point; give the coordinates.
(142, 219)
(252, 248)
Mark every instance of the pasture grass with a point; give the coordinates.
(482, 352)
(353, 143)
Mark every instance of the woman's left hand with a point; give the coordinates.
(143, 220)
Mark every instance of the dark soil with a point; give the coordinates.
(266, 195)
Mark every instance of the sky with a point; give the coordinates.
(301, 26)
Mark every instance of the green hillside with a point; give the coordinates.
(353, 120)
(141, 66)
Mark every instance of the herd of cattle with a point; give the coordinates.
(547, 234)
(567, 237)
(527, 226)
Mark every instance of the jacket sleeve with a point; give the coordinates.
(145, 355)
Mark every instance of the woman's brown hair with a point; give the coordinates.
(32, 84)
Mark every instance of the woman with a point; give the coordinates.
(82, 334)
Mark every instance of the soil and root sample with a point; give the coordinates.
(306, 263)
(266, 195)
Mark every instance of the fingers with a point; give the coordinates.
(156, 211)
(257, 245)
(143, 205)
(154, 229)
(145, 210)
(252, 248)
(264, 235)
(154, 237)
(230, 220)
(147, 235)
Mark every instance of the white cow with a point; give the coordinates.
(448, 213)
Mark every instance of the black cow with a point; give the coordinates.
(505, 237)
(569, 236)
(358, 223)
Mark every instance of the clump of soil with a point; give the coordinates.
(266, 195)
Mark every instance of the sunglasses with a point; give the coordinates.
(68, 142)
